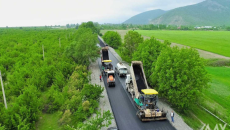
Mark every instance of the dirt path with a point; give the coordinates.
(204, 54)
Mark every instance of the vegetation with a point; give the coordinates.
(92, 26)
(131, 41)
(180, 76)
(218, 93)
(113, 39)
(36, 86)
(216, 42)
(148, 52)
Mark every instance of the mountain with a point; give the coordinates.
(145, 17)
(209, 12)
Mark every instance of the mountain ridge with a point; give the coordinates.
(206, 13)
(145, 17)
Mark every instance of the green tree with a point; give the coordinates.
(228, 28)
(131, 41)
(148, 52)
(180, 76)
(85, 49)
(90, 25)
(112, 38)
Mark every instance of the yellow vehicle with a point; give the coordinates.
(148, 110)
(144, 97)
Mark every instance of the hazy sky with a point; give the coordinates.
(61, 12)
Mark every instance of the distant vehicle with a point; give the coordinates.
(121, 69)
(110, 78)
(144, 98)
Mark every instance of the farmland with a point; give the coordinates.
(212, 41)
(43, 81)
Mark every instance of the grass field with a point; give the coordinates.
(213, 41)
(49, 122)
(218, 95)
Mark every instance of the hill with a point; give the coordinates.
(145, 17)
(209, 12)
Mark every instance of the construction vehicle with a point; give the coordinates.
(144, 97)
(105, 61)
(110, 78)
(121, 69)
(107, 67)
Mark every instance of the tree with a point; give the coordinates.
(85, 48)
(148, 52)
(90, 25)
(228, 28)
(180, 76)
(131, 41)
(112, 38)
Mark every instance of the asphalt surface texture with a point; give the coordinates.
(123, 107)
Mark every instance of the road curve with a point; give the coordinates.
(123, 107)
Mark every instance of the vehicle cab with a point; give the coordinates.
(121, 69)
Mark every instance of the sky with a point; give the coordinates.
(61, 12)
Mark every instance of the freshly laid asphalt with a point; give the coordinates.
(123, 106)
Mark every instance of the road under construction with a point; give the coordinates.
(123, 107)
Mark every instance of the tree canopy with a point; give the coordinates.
(112, 38)
(180, 76)
(131, 41)
(148, 52)
(84, 48)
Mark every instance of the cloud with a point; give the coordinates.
(51, 12)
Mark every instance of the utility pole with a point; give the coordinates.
(43, 53)
(59, 42)
(3, 92)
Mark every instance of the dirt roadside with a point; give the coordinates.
(104, 104)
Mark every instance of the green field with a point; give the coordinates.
(213, 41)
(216, 98)
(218, 95)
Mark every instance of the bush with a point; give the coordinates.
(218, 62)
(65, 118)
(112, 38)
(85, 105)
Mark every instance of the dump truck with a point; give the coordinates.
(105, 61)
(143, 96)
(107, 67)
(121, 69)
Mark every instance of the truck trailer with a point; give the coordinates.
(143, 96)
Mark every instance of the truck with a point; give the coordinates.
(121, 69)
(105, 61)
(143, 96)
(107, 67)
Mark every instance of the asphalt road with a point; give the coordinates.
(123, 106)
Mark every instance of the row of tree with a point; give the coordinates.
(45, 70)
(178, 75)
